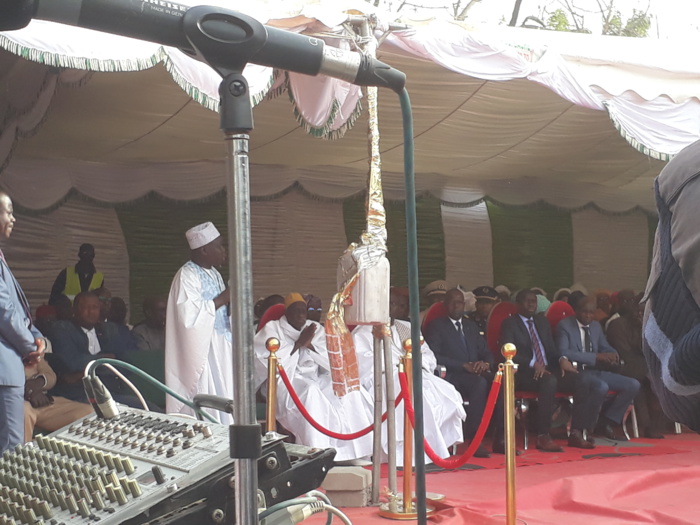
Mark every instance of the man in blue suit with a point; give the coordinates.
(457, 345)
(20, 342)
(580, 339)
(540, 368)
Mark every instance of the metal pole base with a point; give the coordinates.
(400, 514)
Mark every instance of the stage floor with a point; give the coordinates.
(660, 489)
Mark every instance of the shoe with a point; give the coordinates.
(499, 447)
(545, 444)
(576, 440)
(481, 452)
(612, 432)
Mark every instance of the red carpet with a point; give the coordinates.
(643, 481)
(605, 449)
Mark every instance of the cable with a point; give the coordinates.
(130, 385)
(90, 370)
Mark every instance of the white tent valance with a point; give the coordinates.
(516, 115)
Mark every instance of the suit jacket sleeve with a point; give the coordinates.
(13, 320)
(569, 342)
(436, 336)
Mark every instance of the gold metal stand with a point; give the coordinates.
(405, 510)
(272, 345)
(509, 368)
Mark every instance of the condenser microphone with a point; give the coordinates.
(229, 39)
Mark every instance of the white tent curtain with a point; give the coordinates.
(468, 247)
(297, 241)
(610, 251)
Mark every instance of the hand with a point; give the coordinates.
(607, 358)
(305, 338)
(33, 358)
(39, 398)
(567, 366)
(222, 299)
(540, 370)
(35, 394)
(477, 367)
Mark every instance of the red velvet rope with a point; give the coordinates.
(458, 461)
(318, 426)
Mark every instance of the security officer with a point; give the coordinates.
(486, 299)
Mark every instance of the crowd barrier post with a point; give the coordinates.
(509, 368)
(272, 345)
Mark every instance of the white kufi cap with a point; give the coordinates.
(201, 235)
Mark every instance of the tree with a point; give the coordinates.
(571, 17)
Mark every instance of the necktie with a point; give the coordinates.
(587, 339)
(460, 332)
(536, 348)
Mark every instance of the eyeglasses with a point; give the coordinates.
(106, 299)
(315, 309)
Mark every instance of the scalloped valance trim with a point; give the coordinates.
(299, 187)
(126, 65)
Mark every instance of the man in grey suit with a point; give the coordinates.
(581, 339)
(20, 342)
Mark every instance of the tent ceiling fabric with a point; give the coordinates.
(567, 126)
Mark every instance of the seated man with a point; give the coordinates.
(44, 411)
(304, 357)
(581, 339)
(84, 339)
(150, 334)
(442, 404)
(470, 367)
(538, 364)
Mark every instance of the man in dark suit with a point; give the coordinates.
(79, 341)
(20, 342)
(581, 339)
(459, 347)
(538, 364)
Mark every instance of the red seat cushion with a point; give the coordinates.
(435, 311)
(499, 313)
(557, 311)
(274, 313)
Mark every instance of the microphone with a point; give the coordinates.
(221, 31)
(90, 393)
(103, 399)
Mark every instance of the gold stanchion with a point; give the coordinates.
(272, 345)
(509, 368)
(405, 508)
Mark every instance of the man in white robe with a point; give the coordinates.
(198, 349)
(303, 355)
(442, 404)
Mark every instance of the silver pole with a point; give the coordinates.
(377, 443)
(241, 279)
(390, 419)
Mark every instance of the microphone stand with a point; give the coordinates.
(236, 119)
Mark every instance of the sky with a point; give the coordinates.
(671, 19)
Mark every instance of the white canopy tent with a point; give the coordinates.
(515, 115)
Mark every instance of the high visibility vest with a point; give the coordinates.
(73, 282)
